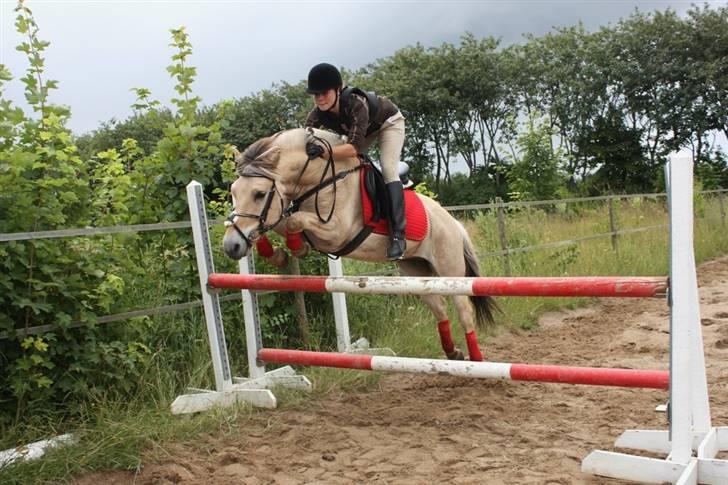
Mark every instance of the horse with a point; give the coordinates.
(279, 187)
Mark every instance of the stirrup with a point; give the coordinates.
(396, 248)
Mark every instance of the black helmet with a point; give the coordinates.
(323, 77)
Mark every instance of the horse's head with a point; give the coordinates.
(257, 200)
(272, 171)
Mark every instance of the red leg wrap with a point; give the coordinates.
(294, 240)
(445, 336)
(264, 247)
(473, 348)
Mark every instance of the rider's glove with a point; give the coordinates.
(314, 150)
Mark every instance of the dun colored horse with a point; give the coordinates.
(280, 188)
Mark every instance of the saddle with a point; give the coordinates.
(374, 201)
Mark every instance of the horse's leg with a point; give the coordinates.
(437, 305)
(448, 260)
(275, 256)
(467, 318)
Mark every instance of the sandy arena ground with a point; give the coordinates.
(417, 429)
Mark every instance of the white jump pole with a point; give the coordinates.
(573, 286)
(594, 376)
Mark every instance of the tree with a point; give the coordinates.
(566, 83)
(536, 176)
(707, 86)
(650, 66)
(413, 78)
(614, 153)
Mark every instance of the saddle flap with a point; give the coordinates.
(374, 206)
(376, 190)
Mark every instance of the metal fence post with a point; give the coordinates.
(500, 215)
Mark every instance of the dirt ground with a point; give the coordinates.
(418, 429)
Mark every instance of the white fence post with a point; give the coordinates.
(253, 338)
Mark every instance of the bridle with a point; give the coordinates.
(262, 217)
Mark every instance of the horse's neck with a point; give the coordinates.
(347, 204)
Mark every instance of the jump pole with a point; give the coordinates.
(653, 379)
(587, 286)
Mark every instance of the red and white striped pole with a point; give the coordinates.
(587, 286)
(654, 379)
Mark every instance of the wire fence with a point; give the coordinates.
(499, 207)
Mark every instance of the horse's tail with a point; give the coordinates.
(485, 306)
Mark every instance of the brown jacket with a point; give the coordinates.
(355, 122)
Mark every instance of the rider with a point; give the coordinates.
(363, 117)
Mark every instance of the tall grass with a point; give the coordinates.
(115, 434)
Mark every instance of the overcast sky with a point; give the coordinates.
(100, 49)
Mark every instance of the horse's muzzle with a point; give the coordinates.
(233, 245)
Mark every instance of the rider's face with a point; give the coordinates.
(326, 100)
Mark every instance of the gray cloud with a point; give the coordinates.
(101, 49)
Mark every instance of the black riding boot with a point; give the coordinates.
(397, 241)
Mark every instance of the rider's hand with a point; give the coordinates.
(314, 150)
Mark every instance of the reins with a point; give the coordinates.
(295, 204)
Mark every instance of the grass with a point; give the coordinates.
(116, 434)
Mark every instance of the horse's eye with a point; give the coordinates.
(258, 195)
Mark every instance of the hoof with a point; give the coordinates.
(279, 258)
(456, 354)
(303, 252)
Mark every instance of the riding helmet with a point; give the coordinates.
(323, 77)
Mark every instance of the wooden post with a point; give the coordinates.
(295, 269)
(500, 215)
(722, 208)
(612, 223)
